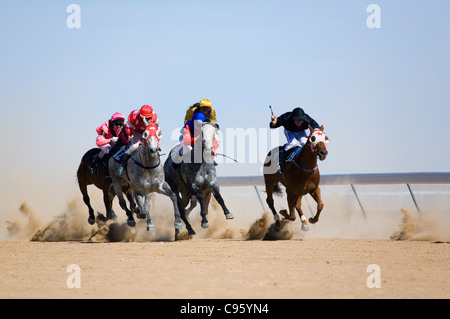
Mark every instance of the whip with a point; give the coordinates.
(227, 157)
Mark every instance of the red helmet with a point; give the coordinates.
(146, 111)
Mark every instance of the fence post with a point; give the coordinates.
(359, 201)
(413, 197)
(259, 197)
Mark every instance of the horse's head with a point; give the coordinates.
(151, 137)
(317, 141)
(210, 138)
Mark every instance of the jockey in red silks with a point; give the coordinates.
(108, 135)
(137, 122)
(188, 138)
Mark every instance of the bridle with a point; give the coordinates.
(314, 138)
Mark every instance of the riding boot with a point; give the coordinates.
(281, 159)
(123, 161)
(94, 162)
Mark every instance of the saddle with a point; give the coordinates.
(118, 155)
(288, 156)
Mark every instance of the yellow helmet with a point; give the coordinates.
(205, 103)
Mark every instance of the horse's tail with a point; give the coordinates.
(277, 189)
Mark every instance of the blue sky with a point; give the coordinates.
(380, 93)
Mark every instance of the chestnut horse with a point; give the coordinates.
(300, 177)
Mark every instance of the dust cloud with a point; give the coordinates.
(338, 220)
(424, 227)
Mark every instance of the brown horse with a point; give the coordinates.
(300, 177)
(101, 178)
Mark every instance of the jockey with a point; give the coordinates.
(188, 138)
(203, 106)
(108, 135)
(295, 124)
(137, 122)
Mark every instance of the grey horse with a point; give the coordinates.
(144, 173)
(195, 176)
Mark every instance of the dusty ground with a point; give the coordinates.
(226, 268)
(330, 261)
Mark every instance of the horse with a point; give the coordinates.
(196, 177)
(144, 174)
(102, 180)
(300, 177)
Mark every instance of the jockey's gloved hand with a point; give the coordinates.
(115, 138)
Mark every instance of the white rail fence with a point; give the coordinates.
(352, 180)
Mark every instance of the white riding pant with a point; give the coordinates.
(104, 150)
(295, 139)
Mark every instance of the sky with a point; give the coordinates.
(381, 93)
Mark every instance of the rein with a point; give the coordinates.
(292, 160)
(147, 167)
(305, 169)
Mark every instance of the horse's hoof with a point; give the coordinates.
(312, 221)
(191, 232)
(131, 222)
(284, 213)
(91, 221)
(178, 225)
(305, 227)
(275, 228)
(141, 216)
(150, 227)
(113, 215)
(229, 216)
(205, 225)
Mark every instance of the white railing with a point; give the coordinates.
(352, 180)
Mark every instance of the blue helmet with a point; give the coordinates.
(199, 116)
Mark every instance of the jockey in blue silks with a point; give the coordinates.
(188, 138)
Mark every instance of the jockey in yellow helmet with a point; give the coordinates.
(203, 106)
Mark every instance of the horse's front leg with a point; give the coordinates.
(298, 206)
(192, 205)
(133, 206)
(118, 190)
(182, 202)
(143, 203)
(292, 202)
(216, 193)
(166, 190)
(87, 201)
(199, 195)
(112, 194)
(107, 200)
(147, 201)
(318, 198)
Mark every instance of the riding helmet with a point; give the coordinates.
(298, 114)
(146, 111)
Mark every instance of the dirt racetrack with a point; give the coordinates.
(229, 260)
(221, 268)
